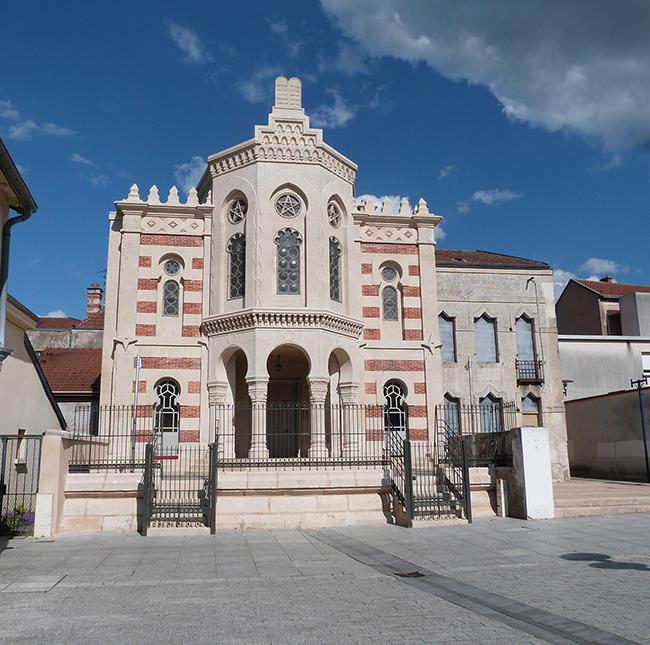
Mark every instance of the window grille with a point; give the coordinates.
(288, 261)
(171, 297)
(394, 406)
(491, 413)
(389, 300)
(167, 412)
(172, 267)
(237, 270)
(335, 269)
(452, 414)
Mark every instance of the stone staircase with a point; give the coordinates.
(589, 497)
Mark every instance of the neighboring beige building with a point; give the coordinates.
(270, 284)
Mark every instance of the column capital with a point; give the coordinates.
(258, 387)
(318, 389)
(349, 392)
(217, 391)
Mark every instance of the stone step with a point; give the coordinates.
(575, 501)
(589, 511)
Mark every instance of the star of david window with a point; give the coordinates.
(237, 210)
(287, 205)
(335, 269)
(334, 214)
(288, 244)
(237, 273)
(171, 298)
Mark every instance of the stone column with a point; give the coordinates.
(352, 421)
(317, 395)
(220, 419)
(257, 391)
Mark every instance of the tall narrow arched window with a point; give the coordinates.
(335, 269)
(530, 410)
(171, 298)
(288, 244)
(452, 414)
(447, 338)
(237, 269)
(491, 412)
(167, 416)
(389, 301)
(485, 337)
(395, 406)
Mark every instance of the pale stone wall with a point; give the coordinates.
(65, 338)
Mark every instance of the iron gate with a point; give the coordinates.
(20, 460)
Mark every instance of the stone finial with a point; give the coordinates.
(362, 205)
(404, 206)
(192, 197)
(208, 198)
(369, 204)
(172, 198)
(385, 205)
(134, 194)
(288, 93)
(154, 197)
(422, 208)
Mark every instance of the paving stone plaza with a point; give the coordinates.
(584, 580)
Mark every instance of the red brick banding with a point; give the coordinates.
(147, 284)
(370, 312)
(366, 267)
(145, 330)
(414, 269)
(144, 261)
(369, 289)
(371, 388)
(197, 263)
(393, 249)
(393, 365)
(192, 308)
(411, 291)
(371, 334)
(191, 330)
(412, 312)
(170, 240)
(169, 363)
(146, 306)
(142, 387)
(419, 388)
(412, 334)
(190, 411)
(189, 436)
(193, 285)
(418, 435)
(194, 387)
(417, 411)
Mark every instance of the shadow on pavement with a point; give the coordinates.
(604, 561)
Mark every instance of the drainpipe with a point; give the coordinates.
(4, 277)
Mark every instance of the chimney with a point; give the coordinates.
(94, 303)
(606, 278)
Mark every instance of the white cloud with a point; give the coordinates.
(8, 111)
(188, 174)
(560, 279)
(55, 130)
(192, 47)
(279, 27)
(349, 60)
(582, 66)
(57, 313)
(77, 158)
(256, 88)
(615, 161)
(462, 207)
(601, 266)
(335, 115)
(446, 171)
(393, 201)
(494, 196)
(99, 179)
(24, 128)
(291, 44)
(440, 233)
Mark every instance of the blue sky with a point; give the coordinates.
(525, 125)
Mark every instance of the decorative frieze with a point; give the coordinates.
(240, 321)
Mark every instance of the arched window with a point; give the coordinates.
(389, 301)
(452, 414)
(288, 261)
(530, 410)
(525, 339)
(335, 269)
(237, 270)
(485, 337)
(171, 298)
(167, 414)
(395, 406)
(447, 327)
(491, 412)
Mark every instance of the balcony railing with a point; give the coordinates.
(529, 371)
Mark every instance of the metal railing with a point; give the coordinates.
(465, 418)
(297, 436)
(111, 438)
(452, 471)
(529, 371)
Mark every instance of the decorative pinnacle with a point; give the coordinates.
(404, 206)
(192, 197)
(288, 93)
(154, 197)
(172, 198)
(134, 194)
(422, 208)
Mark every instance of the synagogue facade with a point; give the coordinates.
(269, 284)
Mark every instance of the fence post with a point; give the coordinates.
(408, 483)
(148, 478)
(213, 486)
(467, 496)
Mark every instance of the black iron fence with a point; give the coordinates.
(295, 436)
(20, 458)
(529, 371)
(487, 416)
(111, 438)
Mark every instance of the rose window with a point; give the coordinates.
(287, 205)
(237, 210)
(334, 214)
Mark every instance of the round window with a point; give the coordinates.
(334, 214)
(237, 210)
(172, 267)
(287, 205)
(388, 274)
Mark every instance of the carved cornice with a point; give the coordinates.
(281, 319)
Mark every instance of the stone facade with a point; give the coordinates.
(327, 302)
